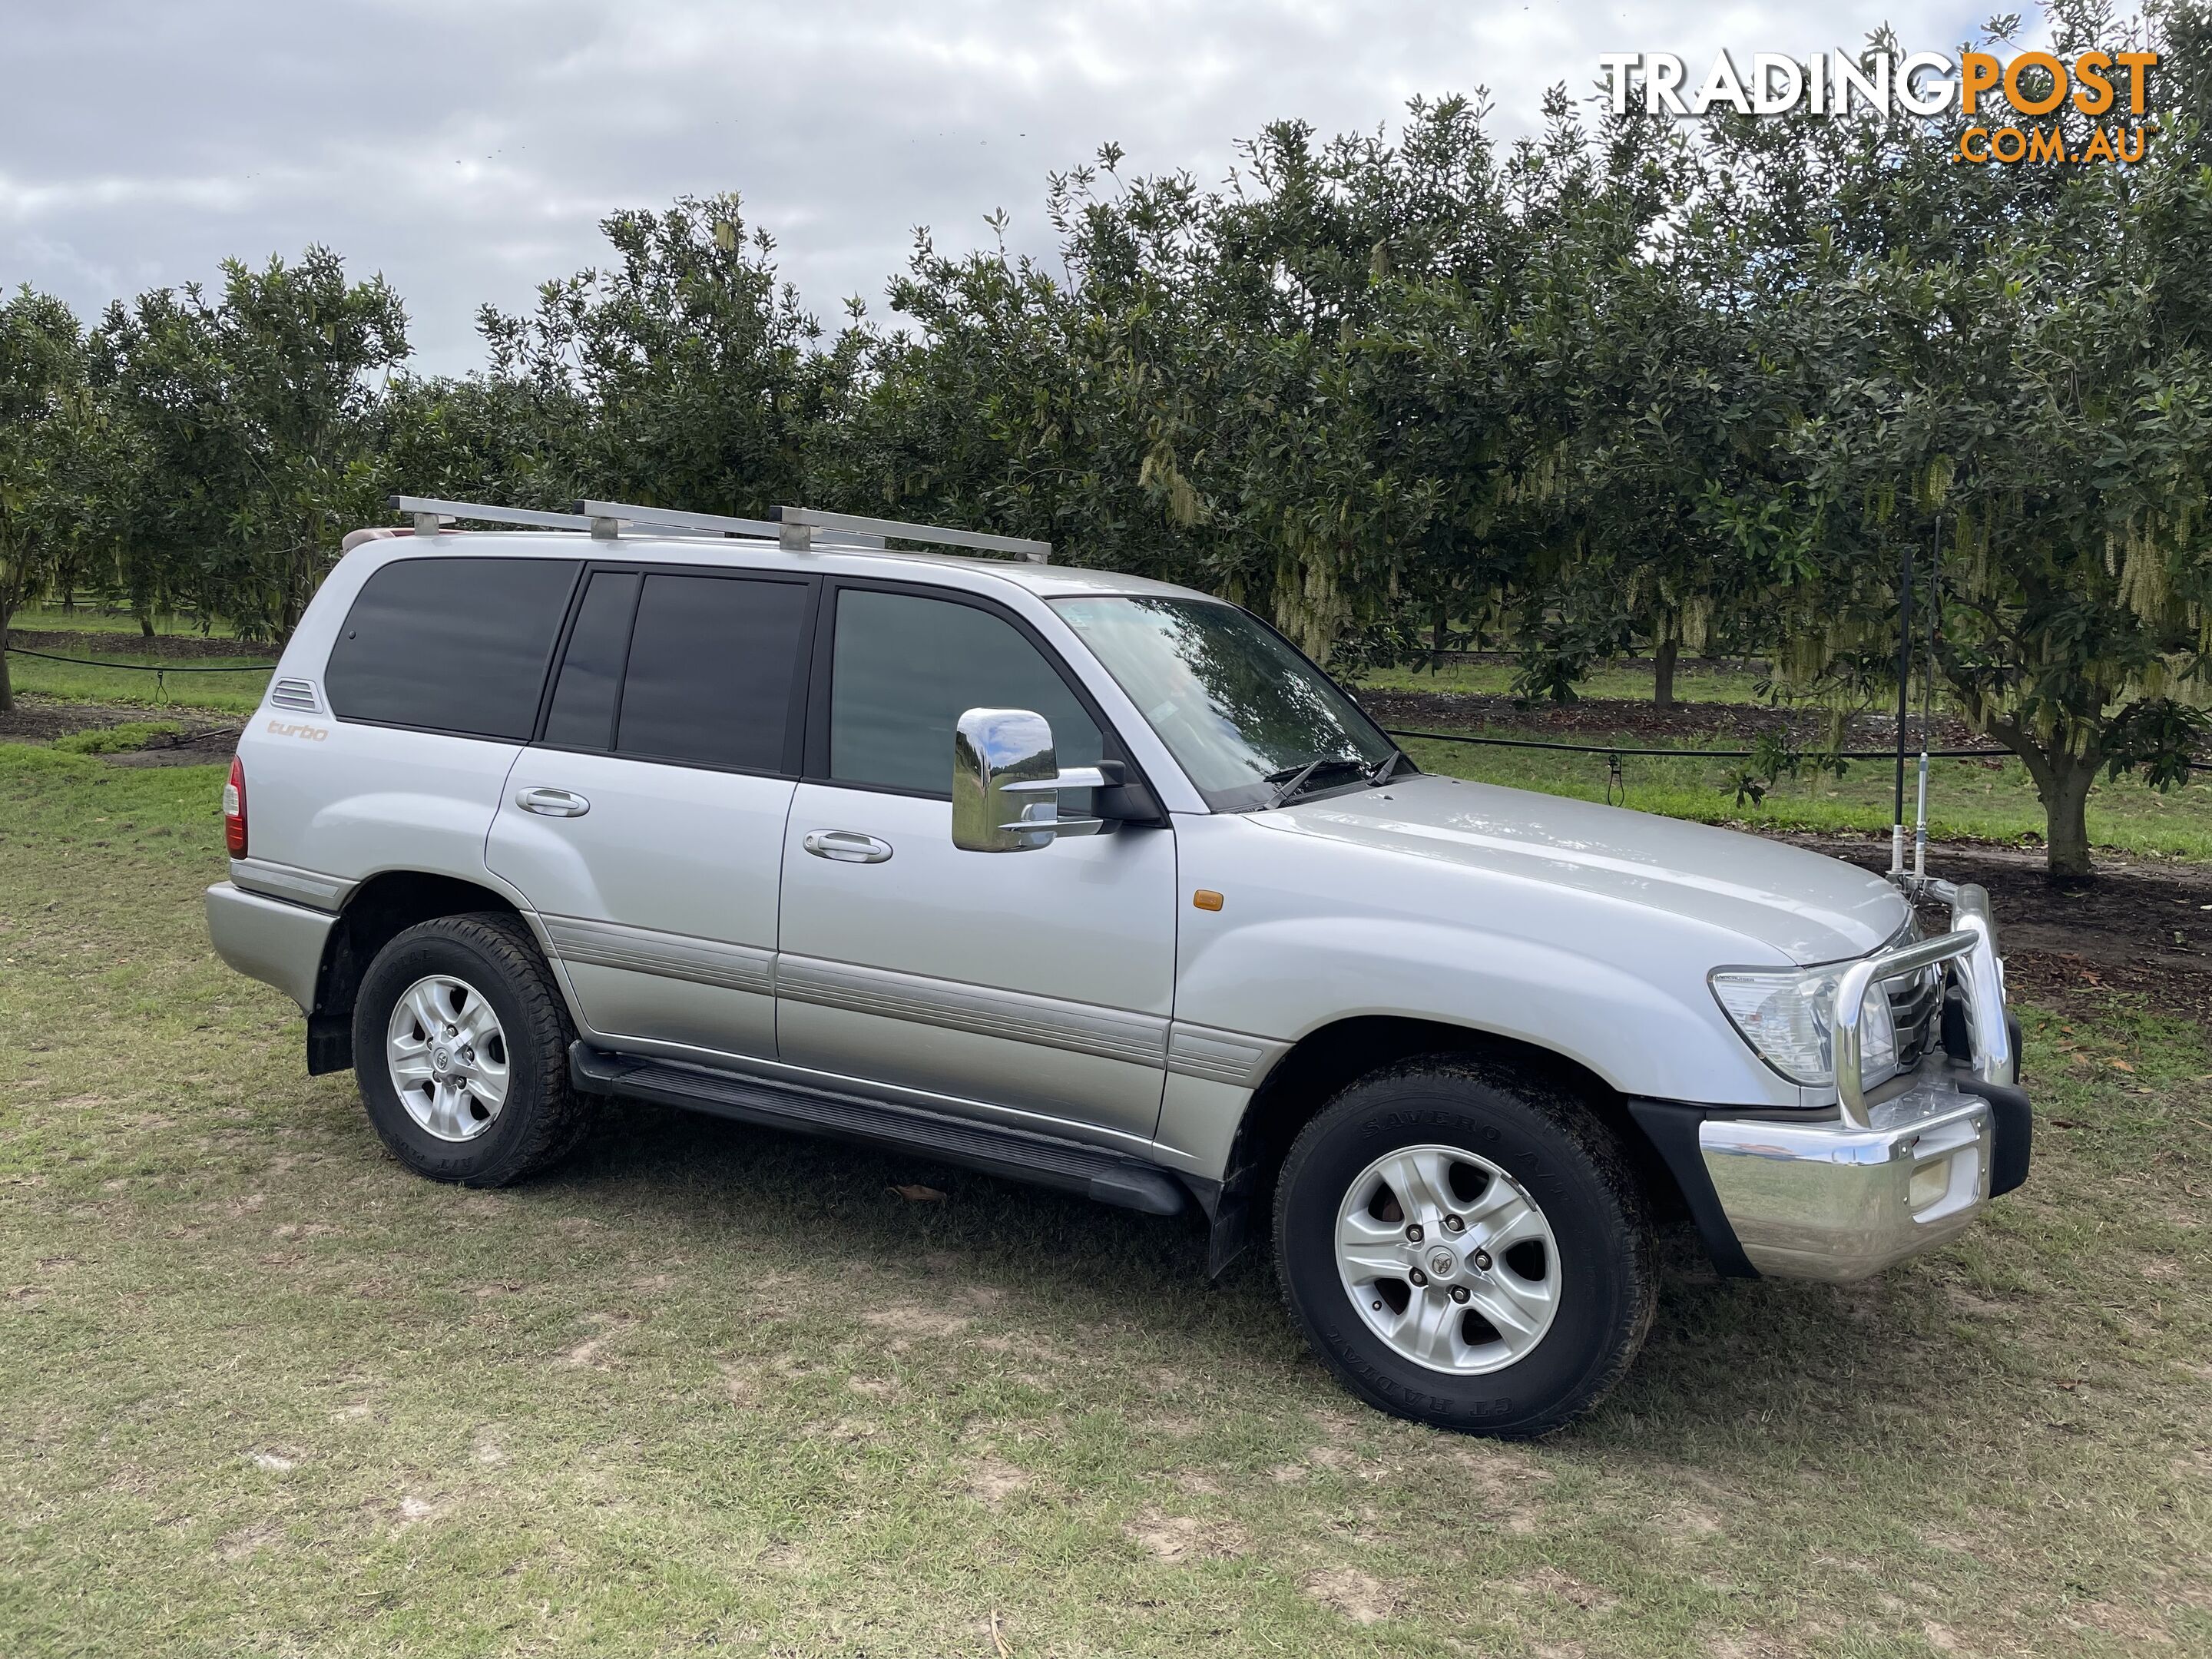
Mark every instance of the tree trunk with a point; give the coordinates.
(2065, 806)
(1662, 672)
(146, 624)
(7, 685)
(2062, 782)
(1438, 629)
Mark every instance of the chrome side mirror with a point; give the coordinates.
(1006, 781)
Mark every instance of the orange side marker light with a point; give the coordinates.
(1206, 899)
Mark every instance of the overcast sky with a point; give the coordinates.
(466, 149)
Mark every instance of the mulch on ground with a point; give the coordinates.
(109, 643)
(204, 739)
(2143, 927)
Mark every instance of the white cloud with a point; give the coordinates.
(467, 148)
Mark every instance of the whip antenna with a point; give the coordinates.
(1927, 702)
(1903, 694)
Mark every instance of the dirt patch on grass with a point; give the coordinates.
(1177, 1538)
(1360, 1598)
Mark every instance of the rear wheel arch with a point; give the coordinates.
(375, 913)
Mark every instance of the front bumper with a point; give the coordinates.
(1836, 1201)
(1887, 1175)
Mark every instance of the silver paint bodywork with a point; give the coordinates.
(813, 931)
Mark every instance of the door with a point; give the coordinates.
(1034, 984)
(646, 824)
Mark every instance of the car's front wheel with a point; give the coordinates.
(1466, 1248)
(460, 1045)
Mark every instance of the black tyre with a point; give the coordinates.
(1466, 1248)
(460, 1044)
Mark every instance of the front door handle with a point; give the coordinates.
(846, 846)
(553, 803)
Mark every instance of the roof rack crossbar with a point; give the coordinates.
(427, 512)
(618, 514)
(799, 525)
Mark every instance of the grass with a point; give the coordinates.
(1983, 800)
(91, 619)
(713, 1389)
(117, 739)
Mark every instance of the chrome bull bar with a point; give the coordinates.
(1971, 943)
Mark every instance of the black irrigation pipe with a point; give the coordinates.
(160, 672)
(1615, 751)
(144, 667)
(1693, 754)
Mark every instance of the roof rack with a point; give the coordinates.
(799, 524)
(797, 529)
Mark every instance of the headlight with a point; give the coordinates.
(1787, 1016)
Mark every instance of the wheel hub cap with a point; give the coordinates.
(1448, 1259)
(446, 1053)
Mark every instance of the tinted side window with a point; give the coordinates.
(906, 668)
(583, 712)
(454, 645)
(713, 670)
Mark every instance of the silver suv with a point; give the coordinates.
(1084, 879)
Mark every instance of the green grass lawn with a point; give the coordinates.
(1966, 797)
(93, 620)
(711, 1389)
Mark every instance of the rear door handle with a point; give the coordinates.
(553, 803)
(846, 846)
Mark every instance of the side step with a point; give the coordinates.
(1018, 1154)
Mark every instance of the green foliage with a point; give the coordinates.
(1627, 381)
(46, 420)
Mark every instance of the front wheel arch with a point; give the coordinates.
(1326, 1061)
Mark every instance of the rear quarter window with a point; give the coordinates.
(451, 645)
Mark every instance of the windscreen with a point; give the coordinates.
(1236, 703)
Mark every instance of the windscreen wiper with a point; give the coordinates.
(1288, 781)
(1385, 769)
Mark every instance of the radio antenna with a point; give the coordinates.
(1928, 703)
(1904, 695)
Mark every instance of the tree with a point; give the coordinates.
(254, 417)
(2015, 359)
(46, 417)
(684, 376)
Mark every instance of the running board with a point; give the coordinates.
(1018, 1154)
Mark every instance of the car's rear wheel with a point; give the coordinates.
(461, 1052)
(1466, 1247)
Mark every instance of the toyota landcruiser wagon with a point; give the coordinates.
(1084, 879)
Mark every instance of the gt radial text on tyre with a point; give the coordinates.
(460, 1047)
(1466, 1247)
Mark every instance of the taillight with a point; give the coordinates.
(233, 810)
